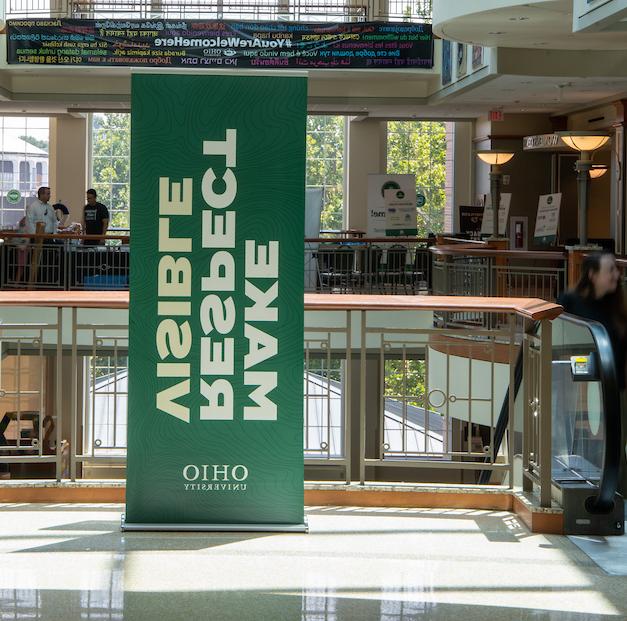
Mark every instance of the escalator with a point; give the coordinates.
(586, 427)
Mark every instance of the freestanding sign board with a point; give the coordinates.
(215, 436)
(547, 220)
(400, 213)
(488, 214)
(377, 186)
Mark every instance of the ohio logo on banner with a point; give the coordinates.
(215, 430)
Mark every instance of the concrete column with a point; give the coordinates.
(463, 167)
(68, 163)
(366, 153)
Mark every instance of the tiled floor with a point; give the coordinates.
(66, 562)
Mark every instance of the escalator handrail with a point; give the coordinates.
(608, 484)
(603, 502)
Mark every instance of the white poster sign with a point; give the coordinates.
(400, 214)
(377, 185)
(547, 220)
(488, 214)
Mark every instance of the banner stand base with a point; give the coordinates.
(216, 528)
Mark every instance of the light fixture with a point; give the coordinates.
(597, 170)
(585, 142)
(495, 158)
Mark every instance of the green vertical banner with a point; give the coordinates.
(215, 425)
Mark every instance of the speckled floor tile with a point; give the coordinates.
(66, 562)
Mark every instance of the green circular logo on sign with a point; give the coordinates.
(389, 185)
(400, 195)
(421, 199)
(13, 196)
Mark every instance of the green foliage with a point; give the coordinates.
(325, 165)
(36, 142)
(405, 379)
(111, 147)
(419, 148)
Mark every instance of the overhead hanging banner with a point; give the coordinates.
(215, 430)
(219, 43)
(547, 219)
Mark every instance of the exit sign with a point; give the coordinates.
(496, 115)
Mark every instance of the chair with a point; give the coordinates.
(336, 268)
(392, 272)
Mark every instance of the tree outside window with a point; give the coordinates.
(110, 177)
(325, 166)
(424, 148)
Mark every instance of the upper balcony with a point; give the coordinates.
(266, 10)
(346, 264)
(543, 25)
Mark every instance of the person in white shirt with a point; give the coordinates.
(40, 211)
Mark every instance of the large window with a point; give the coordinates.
(425, 149)
(110, 164)
(23, 165)
(325, 166)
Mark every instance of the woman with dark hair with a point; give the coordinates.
(599, 296)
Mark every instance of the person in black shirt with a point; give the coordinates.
(95, 219)
(599, 296)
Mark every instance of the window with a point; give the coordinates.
(110, 164)
(23, 155)
(24, 175)
(325, 166)
(6, 172)
(425, 149)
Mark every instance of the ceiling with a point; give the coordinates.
(544, 25)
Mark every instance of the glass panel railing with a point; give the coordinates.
(578, 429)
(585, 410)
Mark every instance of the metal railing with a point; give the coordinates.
(372, 266)
(424, 399)
(60, 262)
(482, 272)
(268, 10)
(99, 401)
(31, 433)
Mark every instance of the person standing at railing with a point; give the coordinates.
(38, 210)
(95, 219)
(599, 296)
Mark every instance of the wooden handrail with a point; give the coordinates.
(13, 234)
(458, 250)
(470, 242)
(529, 308)
(367, 240)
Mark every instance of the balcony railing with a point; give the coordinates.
(380, 400)
(339, 265)
(63, 262)
(268, 10)
(367, 266)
